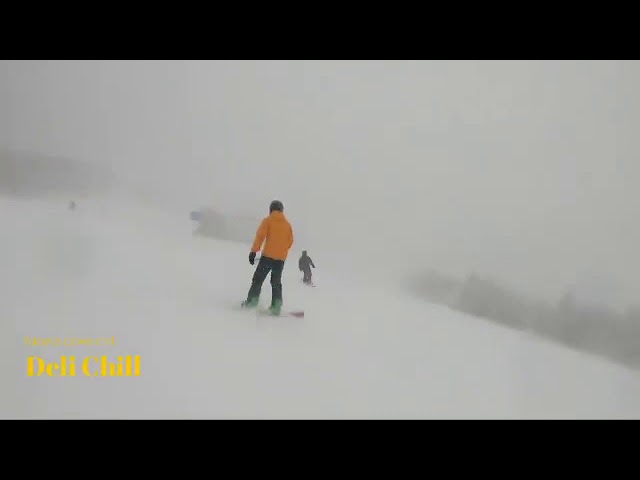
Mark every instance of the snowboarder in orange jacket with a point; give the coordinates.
(276, 233)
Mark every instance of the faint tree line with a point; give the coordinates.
(33, 175)
(594, 329)
(211, 223)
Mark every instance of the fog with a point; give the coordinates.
(524, 170)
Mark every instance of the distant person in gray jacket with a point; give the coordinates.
(305, 264)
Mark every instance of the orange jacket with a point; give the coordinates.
(278, 233)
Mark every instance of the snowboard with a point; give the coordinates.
(262, 311)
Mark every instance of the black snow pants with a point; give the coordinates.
(266, 265)
(306, 274)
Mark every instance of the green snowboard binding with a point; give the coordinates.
(250, 304)
(275, 308)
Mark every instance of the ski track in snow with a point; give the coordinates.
(362, 351)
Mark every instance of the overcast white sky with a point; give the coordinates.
(522, 169)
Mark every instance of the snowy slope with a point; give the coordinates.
(362, 351)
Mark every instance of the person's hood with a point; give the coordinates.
(277, 216)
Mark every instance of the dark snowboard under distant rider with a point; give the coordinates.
(305, 264)
(277, 235)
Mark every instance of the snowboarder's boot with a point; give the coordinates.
(253, 303)
(275, 308)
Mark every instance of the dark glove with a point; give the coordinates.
(252, 258)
